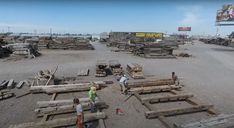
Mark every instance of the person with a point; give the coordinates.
(80, 114)
(175, 79)
(92, 97)
(123, 84)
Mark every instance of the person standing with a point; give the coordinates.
(175, 79)
(80, 114)
(92, 97)
(123, 84)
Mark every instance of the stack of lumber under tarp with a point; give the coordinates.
(135, 70)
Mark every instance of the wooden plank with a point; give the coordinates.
(25, 94)
(83, 72)
(61, 122)
(66, 109)
(43, 104)
(154, 89)
(10, 84)
(37, 89)
(167, 98)
(147, 83)
(42, 88)
(177, 111)
(68, 89)
(20, 84)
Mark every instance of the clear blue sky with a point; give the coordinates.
(93, 16)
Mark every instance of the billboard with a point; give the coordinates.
(149, 35)
(225, 14)
(184, 29)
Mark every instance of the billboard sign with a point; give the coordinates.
(184, 29)
(149, 35)
(226, 14)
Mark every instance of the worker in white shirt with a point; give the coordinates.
(123, 84)
(80, 114)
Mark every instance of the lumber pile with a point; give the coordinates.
(64, 88)
(101, 68)
(62, 109)
(61, 122)
(70, 43)
(3, 84)
(25, 49)
(135, 70)
(115, 67)
(153, 89)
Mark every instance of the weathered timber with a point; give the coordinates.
(154, 89)
(167, 98)
(43, 104)
(20, 84)
(220, 121)
(134, 67)
(61, 122)
(66, 109)
(25, 94)
(135, 70)
(177, 111)
(10, 84)
(68, 89)
(51, 88)
(147, 83)
(166, 122)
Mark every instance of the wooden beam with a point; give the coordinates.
(61, 122)
(177, 111)
(167, 98)
(147, 83)
(154, 89)
(43, 104)
(66, 87)
(66, 109)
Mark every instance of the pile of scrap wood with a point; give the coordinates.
(115, 67)
(45, 77)
(70, 43)
(66, 87)
(101, 68)
(156, 50)
(135, 70)
(25, 49)
(4, 52)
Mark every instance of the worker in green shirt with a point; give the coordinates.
(92, 98)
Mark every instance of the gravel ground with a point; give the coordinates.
(208, 75)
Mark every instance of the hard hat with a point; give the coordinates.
(124, 75)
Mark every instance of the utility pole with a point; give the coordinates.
(8, 29)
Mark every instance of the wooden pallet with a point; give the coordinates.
(196, 106)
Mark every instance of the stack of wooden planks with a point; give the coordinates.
(135, 70)
(101, 68)
(115, 67)
(6, 95)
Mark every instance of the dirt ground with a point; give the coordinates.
(208, 75)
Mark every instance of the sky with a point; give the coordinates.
(96, 16)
